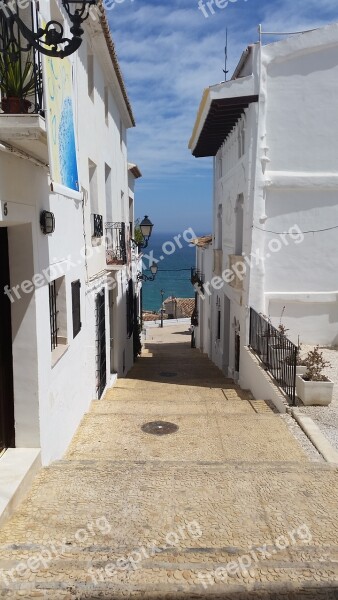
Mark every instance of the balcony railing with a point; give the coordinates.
(33, 102)
(116, 250)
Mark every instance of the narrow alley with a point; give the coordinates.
(176, 485)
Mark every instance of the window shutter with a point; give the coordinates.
(76, 307)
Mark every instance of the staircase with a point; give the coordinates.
(228, 507)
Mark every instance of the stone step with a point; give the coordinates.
(263, 436)
(200, 571)
(94, 578)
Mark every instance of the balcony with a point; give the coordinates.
(218, 262)
(22, 123)
(116, 250)
(238, 266)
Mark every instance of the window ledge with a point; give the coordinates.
(58, 353)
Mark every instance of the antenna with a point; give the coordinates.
(225, 71)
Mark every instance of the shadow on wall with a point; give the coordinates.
(314, 323)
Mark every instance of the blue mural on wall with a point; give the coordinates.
(60, 122)
(67, 147)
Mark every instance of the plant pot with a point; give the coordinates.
(314, 393)
(15, 106)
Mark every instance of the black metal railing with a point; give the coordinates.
(97, 226)
(196, 277)
(16, 52)
(276, 352)
(116, 250)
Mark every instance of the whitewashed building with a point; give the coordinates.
(273, 134)
(71, 300)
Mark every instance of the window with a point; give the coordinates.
(76, 307)
(90, 74)
(58, 315)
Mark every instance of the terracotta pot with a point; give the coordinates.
(15, 106)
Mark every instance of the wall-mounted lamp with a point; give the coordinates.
(146, 228)
(50, 39)
(153, 269)
(47, 222)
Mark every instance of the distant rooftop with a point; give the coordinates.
(202, 242)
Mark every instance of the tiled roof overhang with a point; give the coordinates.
(222, 105)
(222, 117)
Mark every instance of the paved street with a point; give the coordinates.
(228, 506)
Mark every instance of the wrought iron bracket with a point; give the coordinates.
(46, 40)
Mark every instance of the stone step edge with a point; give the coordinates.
(301, 588)
(316, 437)
(235, 464)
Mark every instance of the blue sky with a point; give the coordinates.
(169, 52)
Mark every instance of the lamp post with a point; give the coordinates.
(162, 309)
(50, 39)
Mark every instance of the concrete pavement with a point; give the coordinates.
(228, 506)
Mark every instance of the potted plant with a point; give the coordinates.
(314, 388)
(17, 81)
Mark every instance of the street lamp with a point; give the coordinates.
(146, 227)
(49, 39)
(153, 269)
(162, 292)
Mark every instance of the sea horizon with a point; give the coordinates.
(174, 268)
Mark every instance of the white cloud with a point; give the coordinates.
(169, 54)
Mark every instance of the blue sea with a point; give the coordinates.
(173, 276)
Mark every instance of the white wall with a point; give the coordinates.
(50, 399)
(300, 185)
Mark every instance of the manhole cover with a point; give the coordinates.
(168, 374)
(159, 428)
